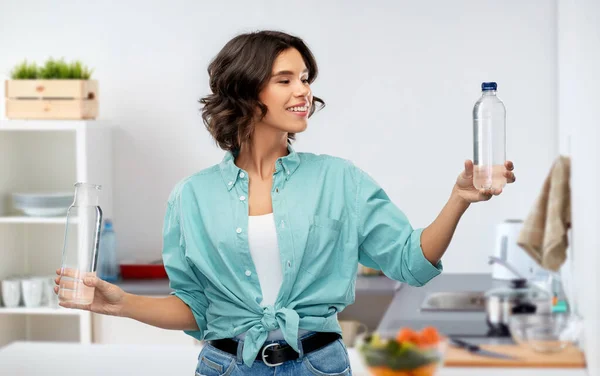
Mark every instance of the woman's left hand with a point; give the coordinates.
(465, 189)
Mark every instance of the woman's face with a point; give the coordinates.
(287, 94)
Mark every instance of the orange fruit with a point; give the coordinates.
(408, 335)
(429, 336)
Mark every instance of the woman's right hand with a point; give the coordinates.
(108, 298)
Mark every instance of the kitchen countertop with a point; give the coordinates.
(370, 284)
(145, 286)
(72, 359)
(404, 310)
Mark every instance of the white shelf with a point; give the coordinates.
(45, 125)
(47, 155)
(41, 311)
(41, 220)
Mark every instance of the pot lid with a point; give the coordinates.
(519, 289)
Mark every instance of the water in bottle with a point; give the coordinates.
(489, 139)
(80, 250)
(108, 268)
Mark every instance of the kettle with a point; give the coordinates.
(507, 250)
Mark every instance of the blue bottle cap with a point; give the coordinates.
(489, 86)
(108, 225)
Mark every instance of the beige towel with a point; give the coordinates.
(544, 233)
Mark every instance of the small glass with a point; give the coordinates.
(546, 339)
(80, 249)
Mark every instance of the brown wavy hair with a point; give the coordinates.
(238, 74)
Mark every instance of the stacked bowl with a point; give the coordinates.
(43, 204)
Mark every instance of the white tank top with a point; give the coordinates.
(262, 239)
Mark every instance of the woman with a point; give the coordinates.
(262, 249)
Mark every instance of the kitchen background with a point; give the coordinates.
(399, 78)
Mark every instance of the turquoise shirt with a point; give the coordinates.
(329, 216)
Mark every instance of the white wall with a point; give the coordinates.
(579, 117)
(399, 77)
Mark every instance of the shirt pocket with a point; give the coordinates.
(322, 253)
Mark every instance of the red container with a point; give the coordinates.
(143, 271)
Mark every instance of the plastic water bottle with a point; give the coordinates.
(489, 139)
(108, 268)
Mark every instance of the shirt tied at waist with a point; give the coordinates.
(284, 318)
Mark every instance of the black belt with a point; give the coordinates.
(274, 353)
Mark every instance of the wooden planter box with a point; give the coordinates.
(51, 99)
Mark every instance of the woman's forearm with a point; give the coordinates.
(437, 236)
(167, 313)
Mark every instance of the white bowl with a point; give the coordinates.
(43, 198)
(44, 212)
(43, 204)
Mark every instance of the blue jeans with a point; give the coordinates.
(331, 360)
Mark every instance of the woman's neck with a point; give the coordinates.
(258, 156)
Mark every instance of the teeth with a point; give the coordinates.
(298, 109)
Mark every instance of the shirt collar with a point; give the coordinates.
(231, 172)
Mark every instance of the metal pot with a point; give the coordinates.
(516, 298)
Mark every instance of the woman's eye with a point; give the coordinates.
(288, 81)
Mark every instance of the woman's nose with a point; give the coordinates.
(302, 90)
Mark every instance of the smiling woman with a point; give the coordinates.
(262, 249)
(252, 89)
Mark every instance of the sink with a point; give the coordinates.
(454, 301)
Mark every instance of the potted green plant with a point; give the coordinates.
(55, 90)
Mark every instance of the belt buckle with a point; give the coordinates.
(264, 356)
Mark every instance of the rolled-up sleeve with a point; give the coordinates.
(386, 239)
(184, 278)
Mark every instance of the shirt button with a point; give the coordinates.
(288, 172)
(238, 230)
(230, 183)
(242, 198)
(248, 273)
(242, 175)
(289, 264)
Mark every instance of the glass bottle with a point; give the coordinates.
(81, 243)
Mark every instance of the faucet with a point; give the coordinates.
(494, 259)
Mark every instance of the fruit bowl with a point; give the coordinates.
(411, 353)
